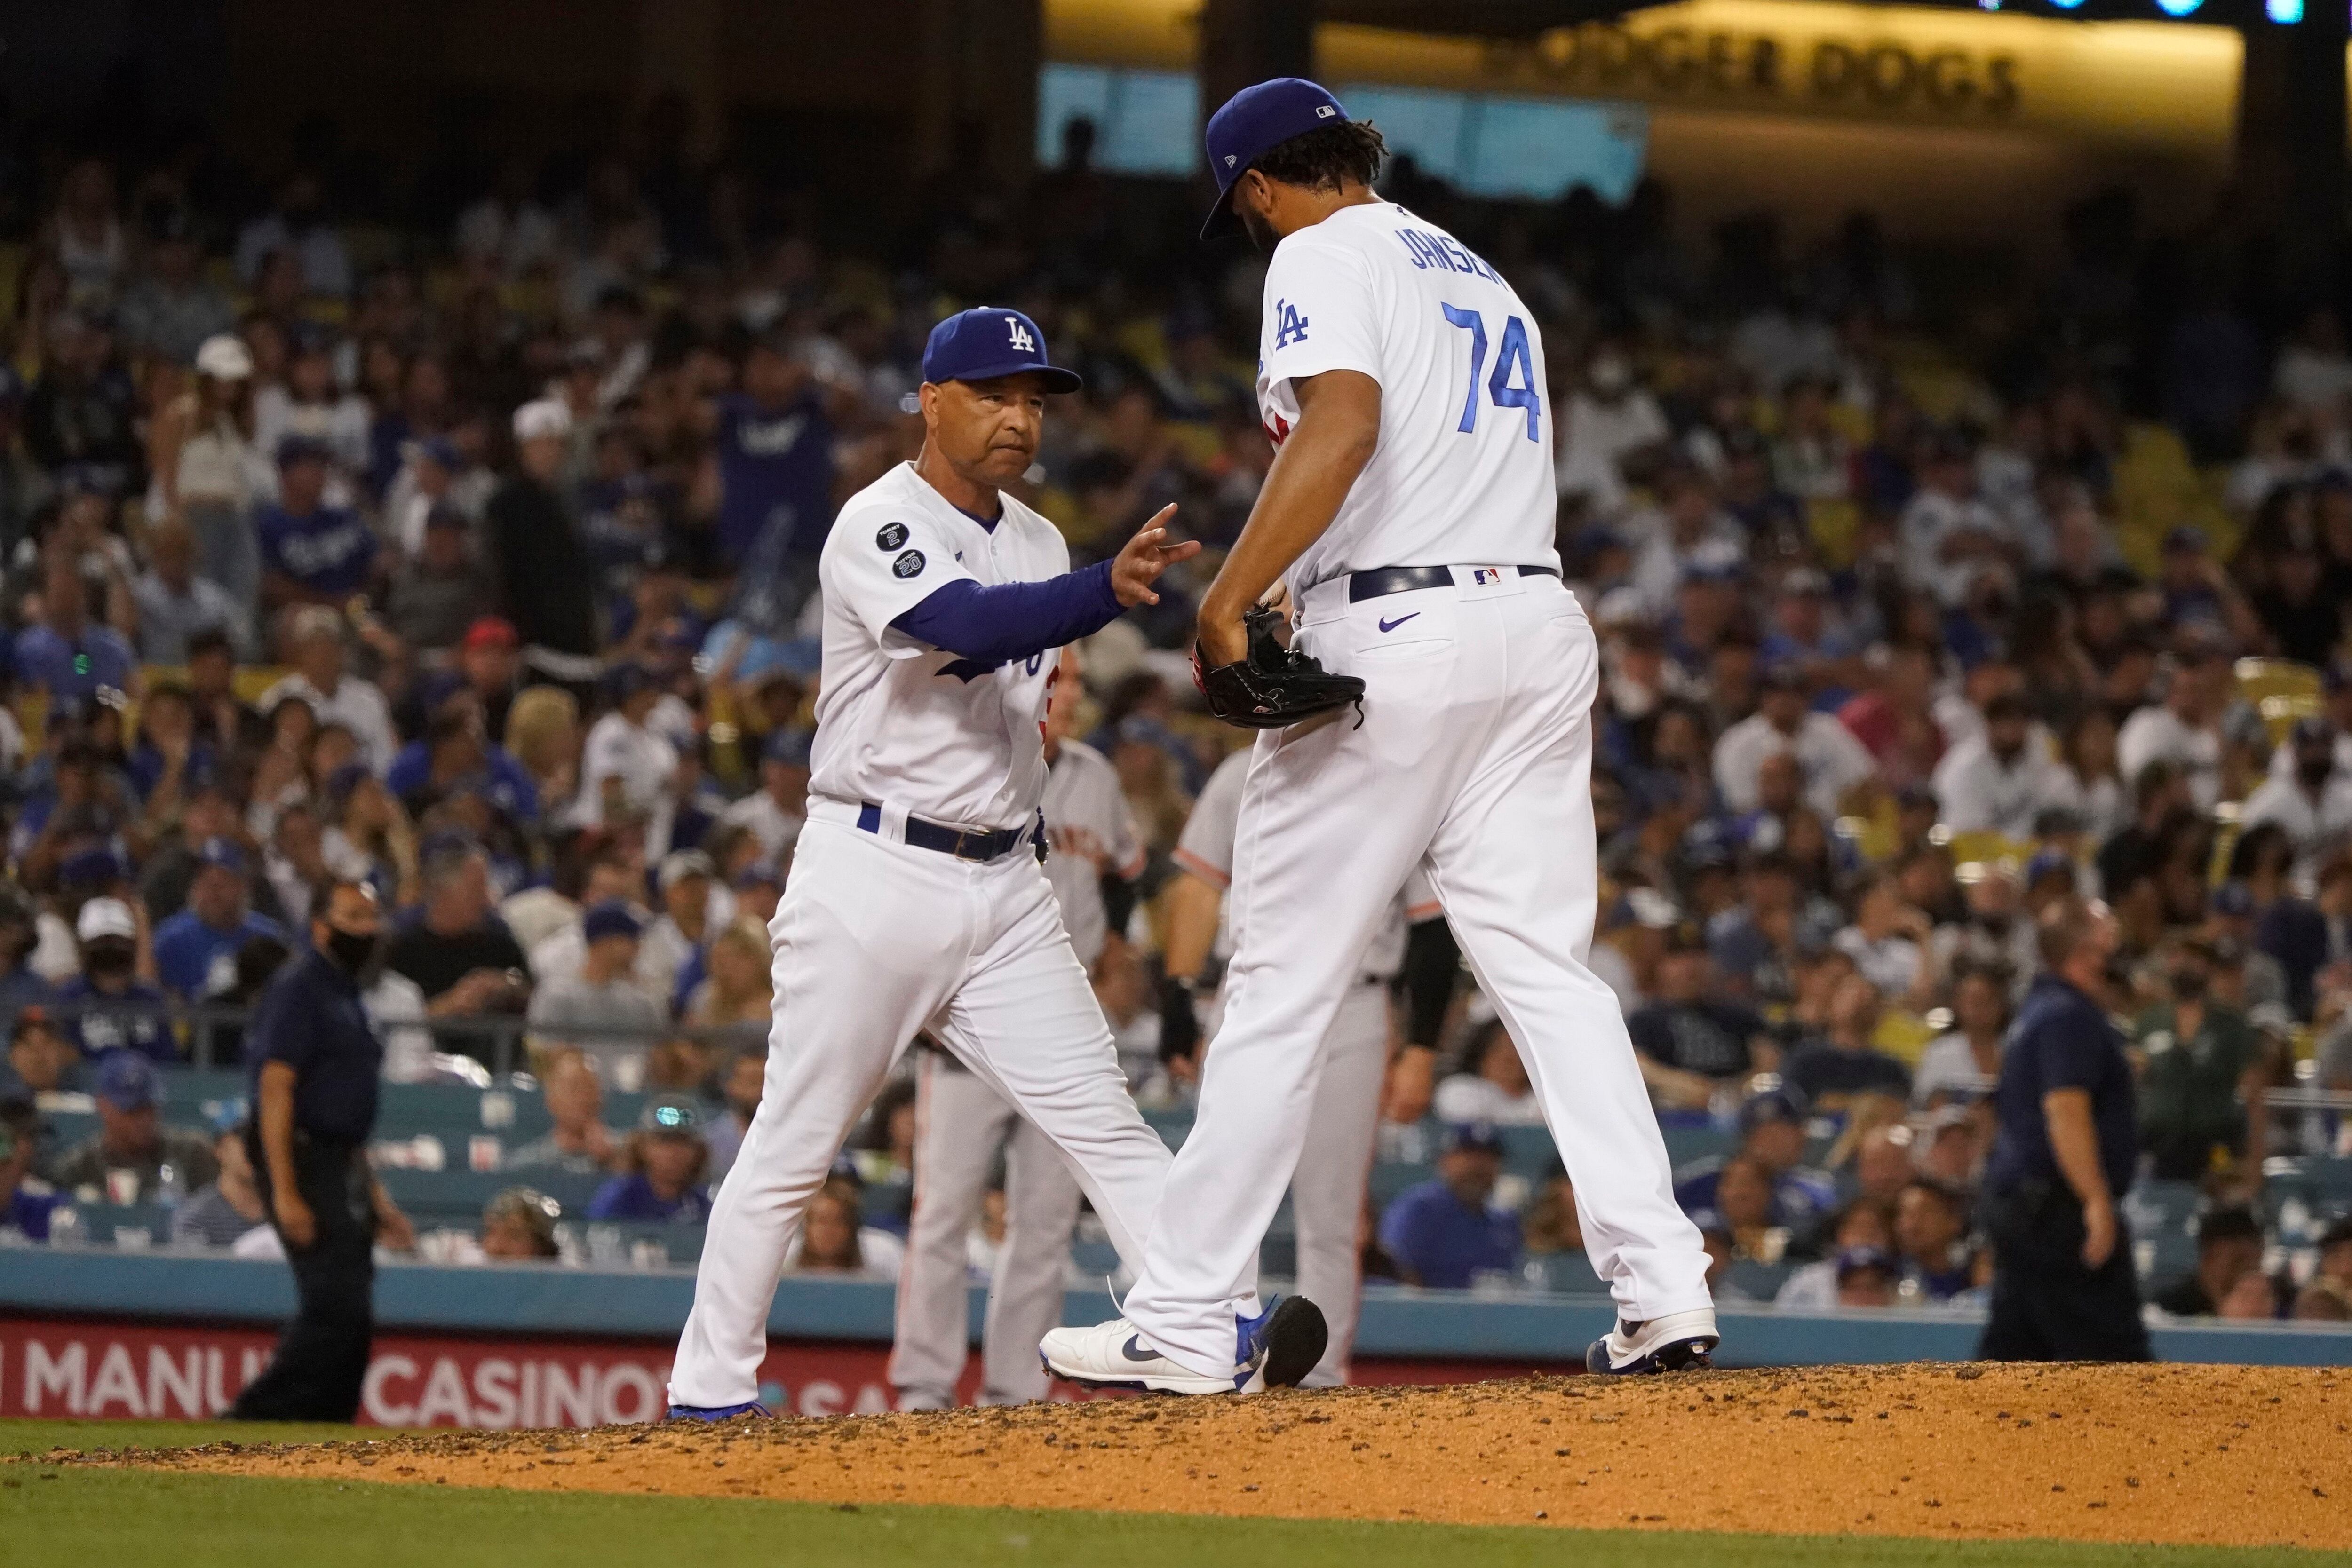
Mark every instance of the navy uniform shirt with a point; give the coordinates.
(309, 1019)
(2062, 1039)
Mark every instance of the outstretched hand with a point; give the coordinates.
(1145, 556)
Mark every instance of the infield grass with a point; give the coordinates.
(64, 1514)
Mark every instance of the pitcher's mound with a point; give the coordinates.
(2228, 1455)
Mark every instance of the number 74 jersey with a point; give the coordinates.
(1463, 474)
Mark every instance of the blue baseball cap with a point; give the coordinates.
(2049, 862)
(96, 866)
(1865, 1260)
(610, 918)
(1769, 1105)
(224, 853)
(1254, 122)
(128, 1081)
(1479, 1137)
(991, 340)
(303, 448)
(2232, 900)
(625, 680)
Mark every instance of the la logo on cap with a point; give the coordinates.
(1229, 160)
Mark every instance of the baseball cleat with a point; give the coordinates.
(1679, 1342)
(1285, 1340)
(1275, 1349)
(716, 1412)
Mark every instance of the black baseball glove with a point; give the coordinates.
(1270, 686)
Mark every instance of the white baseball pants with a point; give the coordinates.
(876, 940)
(960, 1124)
(1335, 1165)
(1473, 761)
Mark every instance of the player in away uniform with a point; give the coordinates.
(960, 1124)
(1410, 510)
(915, 900)
(1326, 1190)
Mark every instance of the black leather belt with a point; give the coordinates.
(964, 843)
(1383, 581)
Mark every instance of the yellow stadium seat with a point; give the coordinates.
(2281, 690)
(1903, 1035)
(1834, 521)
(1985, 847)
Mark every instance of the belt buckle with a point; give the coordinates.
(964, 835)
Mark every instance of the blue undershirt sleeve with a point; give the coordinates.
(996, 622)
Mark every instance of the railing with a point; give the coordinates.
(492, 1039)
(500, 1035)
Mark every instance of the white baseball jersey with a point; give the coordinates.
(1205, 847)
(900, 721)
(1463, 474)
(1090, 829)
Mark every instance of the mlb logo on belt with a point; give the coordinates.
(1488, 581)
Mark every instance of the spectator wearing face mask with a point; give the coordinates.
(1608, 419)
(108, 1006)
(1995, 931)
(2204, 1071)
(2002, 780)
(2311, 802)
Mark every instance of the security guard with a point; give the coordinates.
(315, 1064)
(2063, 1288)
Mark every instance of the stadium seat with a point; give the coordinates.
(2281, 690)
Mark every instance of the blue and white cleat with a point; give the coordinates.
(1285, 1341)
(1273, 1350)
(718, 1412)
(1679, 1342)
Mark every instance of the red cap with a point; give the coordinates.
(492, 632)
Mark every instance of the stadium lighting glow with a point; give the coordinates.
(2065, 4)
(2178, 7)
(2286, 13)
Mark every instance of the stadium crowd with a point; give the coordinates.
(466, 545)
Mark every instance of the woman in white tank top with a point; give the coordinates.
(209, 470)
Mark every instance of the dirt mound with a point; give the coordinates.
(2228, 1455)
